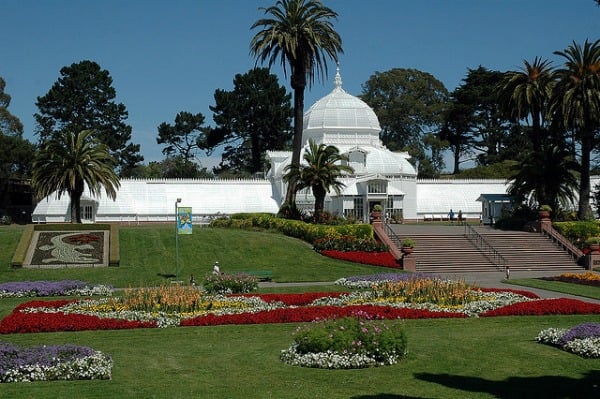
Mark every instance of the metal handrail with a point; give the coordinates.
(567, 245)
(485, 247)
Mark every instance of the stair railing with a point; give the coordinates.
(561, 241)
(485, 247)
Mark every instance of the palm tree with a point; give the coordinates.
(546, 177)
(300, 35)
(526, 94)
(70, 162)
(576, 103)
(321, 172)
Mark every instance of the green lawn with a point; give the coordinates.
(148, 257)
(586, 291)
(473, 358)
(454, 358)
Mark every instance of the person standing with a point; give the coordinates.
(216, 268)
(451, 216)
(460, 217)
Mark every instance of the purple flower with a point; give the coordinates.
(580, 331)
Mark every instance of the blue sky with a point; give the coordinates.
(171, 56)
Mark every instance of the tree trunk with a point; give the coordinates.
(298, 84)
(319, 194)
(583, 213)
(456, 160)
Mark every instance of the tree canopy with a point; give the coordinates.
(323, 167)
(83, 99)
(15, 151)
(409, 104)
(68, 163)
(252, 118)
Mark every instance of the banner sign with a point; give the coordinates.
(184, 220)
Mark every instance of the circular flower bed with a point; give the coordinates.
(346, 343)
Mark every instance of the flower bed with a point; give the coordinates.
(19, 289)
(52, 362)
(385, 259)
(346, 343)
(587, 278)
(583, 339)
(384, 296)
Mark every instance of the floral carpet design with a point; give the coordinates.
(68, 249)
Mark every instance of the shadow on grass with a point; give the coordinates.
(547, 387)
(166, 275)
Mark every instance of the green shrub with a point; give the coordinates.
(222, 283)
(353, 335)
(308, 232)
(579, 231)
(349, 243)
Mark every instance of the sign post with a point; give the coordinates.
(184, 226)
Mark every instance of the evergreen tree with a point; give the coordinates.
(83, 99)
(252, 118)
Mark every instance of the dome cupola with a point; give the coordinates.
(339, 113)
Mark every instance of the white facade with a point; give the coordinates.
(380, 177)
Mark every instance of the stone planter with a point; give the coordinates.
(407, 250)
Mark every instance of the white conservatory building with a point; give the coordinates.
(380, 177)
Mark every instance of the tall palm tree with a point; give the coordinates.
(300, 35)
(526, 94)
(547, 177)
(70, 162)
(321, 172)
(576, 102)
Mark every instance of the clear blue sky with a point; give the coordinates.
(170, 56)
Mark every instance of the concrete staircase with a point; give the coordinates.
(445, 249)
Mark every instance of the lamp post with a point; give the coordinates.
(177, 241)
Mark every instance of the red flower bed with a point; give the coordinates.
(526, 294)
(19, 322)
(385, 259)
(296, 315)
(560, 306)
(294, 299)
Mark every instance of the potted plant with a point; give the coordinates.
(593, 243)
(544, 211)
(407, 245)
(376, 213)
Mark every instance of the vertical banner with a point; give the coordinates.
(184, 220)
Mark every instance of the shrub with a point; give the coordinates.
(349, 243)
(349, 342)
(408, 242)
(223, 283)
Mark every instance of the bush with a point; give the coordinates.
(308, 232)
(223, 283)
(349, 243)
(349, 342)
(578, 232)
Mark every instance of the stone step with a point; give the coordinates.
(452, 252)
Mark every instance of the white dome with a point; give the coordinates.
(339, 112)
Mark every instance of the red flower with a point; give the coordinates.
(385, 259)
(560, 306)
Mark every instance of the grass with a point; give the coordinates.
(148, 257)
(473, 358)
(586, 291)
(466, 358)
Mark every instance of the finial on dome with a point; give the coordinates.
(338, 77)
